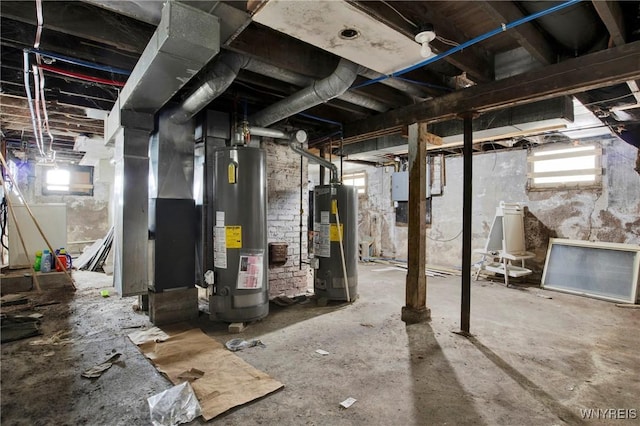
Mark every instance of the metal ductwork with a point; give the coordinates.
(292, 77)
(319, 92)
(224, 71)
(577, 29)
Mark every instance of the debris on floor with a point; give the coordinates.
(191, 375)
(59, 338)
(227, 382)
(322, 352)
(94, 257)
(96, 371)
(17, 327)
(544, 296)
(285, 301)
(174, 406)
(348, 402)
(239, 344)
(627, 306)
(13, 299)
(366, 324)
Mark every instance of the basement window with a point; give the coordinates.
(565, 168)
(359, 180)
(76, 180)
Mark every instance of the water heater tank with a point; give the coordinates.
(240, 235)
(333, 202)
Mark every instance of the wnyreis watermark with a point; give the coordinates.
(609, 413)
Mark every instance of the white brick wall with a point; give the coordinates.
(283, 218)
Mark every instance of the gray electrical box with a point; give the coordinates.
(400, 186)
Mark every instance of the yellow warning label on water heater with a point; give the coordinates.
(233, 236)
(333, 232)
(232, 173)
(334, 206)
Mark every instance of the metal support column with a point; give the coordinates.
(130, 194)
(465, 308)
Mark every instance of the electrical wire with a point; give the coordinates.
(447, 240)
(447, 41)
(40, 77)
(84, 77)
(617, 98)
(80, 62)
(399, 14)
(27, 87)
(422, 83)
(3, 219)
(36, 85)
(502, 28)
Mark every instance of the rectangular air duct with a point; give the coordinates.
(330, 25)
(185, 41)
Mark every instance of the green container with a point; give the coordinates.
(36, 264)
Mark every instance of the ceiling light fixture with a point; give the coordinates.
(424, 37)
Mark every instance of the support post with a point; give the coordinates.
(465, 308)
(416, 309)
(131, 199)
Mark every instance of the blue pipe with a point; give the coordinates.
(422, 83)
(502, 28)
(324, 120)
(80, 62)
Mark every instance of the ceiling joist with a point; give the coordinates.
(600, 69)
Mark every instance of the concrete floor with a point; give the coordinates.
(532, 360)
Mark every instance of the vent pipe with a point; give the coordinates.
(319, 92)
(295, 143)
(224, 71)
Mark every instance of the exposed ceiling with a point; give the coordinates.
(589, 49)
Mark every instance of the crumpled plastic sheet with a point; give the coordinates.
(239, 344)
(174, 406)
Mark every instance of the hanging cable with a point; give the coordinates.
(80, 62)
(502, 28)
(82, 76)
(27, 87)
(399, 14)
(44, 111)
(36, 85)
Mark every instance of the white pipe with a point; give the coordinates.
(36, 85)
(27, 88)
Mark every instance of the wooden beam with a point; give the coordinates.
(611, 14)
(475, 61)
(526, 34)
(596, 70)
(85, 21)
(283, 51)
(20, 35)
(416, 310)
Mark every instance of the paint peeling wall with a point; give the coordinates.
(610, 214)
(376, 215)
(283, 219)
(87, 216)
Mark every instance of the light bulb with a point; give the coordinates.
(424, 37)
(425, 50)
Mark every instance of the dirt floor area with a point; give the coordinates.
(536, 357)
